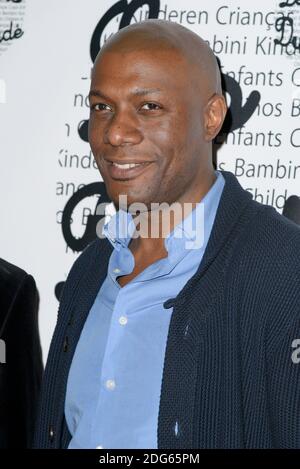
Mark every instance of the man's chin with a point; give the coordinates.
(132, 205)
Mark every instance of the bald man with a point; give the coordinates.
(182, 334)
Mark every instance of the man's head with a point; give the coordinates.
(155, 99)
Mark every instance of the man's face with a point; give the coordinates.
(144, 110)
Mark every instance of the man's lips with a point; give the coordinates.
(123, 172)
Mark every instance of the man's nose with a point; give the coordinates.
(123, 129)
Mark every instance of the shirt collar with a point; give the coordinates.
(190, 233)
(119, 229)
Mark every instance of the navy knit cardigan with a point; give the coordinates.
(231, 375)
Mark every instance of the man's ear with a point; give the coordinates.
(214, 115)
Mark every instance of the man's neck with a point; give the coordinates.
(154, 226)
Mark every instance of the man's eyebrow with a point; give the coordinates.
(144, 91)
(136, 92)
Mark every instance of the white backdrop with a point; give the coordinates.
(45, 65)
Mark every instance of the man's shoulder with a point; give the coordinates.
(12, 279)
(10, 273)
(265, 261)
(14, 283)
(265, 271)
(270, 235)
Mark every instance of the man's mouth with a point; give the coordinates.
(124, 171)
(127, 165)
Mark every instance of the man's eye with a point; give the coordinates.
(151, 106)
(100, 107)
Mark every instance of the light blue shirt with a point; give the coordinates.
(114, 383)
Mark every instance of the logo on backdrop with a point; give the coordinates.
(78, 244)
(288, 28)
(238, 114)
(11, 22)
(127, 10)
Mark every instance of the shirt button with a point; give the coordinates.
(110, 384)
(51, 433)
(123, 320)
(116, 271)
